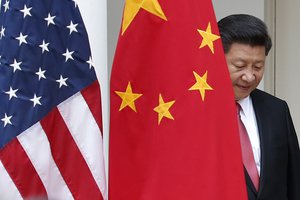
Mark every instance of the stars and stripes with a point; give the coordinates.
(50, 116)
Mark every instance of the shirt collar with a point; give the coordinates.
(246, 105)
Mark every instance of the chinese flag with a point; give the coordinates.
(173, 133)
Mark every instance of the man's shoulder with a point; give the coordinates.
(261, 97)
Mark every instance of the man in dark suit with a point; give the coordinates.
(274, 173)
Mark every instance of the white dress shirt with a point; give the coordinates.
(249, 119)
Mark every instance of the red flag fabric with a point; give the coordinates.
(173, 132)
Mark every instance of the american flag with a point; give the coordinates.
(50, 109)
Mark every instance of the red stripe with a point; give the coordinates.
(21, 171)
(68, 158)
(92, 96)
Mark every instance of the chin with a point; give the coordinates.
(240, 96)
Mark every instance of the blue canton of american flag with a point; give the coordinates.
(50, 128)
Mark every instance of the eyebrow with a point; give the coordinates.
(238, 59)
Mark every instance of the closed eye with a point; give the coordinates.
(239, 66)
(258, 67)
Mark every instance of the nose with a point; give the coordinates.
(248, 75)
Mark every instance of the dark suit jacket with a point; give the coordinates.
(280, 155)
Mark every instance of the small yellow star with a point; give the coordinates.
(201, 84)
(132, 7)
(163, 109)
(128, 98)
(208, 38)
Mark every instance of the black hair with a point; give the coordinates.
(244, 29)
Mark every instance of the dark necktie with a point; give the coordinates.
(247, 153)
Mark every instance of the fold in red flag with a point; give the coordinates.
(173, 132)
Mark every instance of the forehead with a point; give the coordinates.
(246, 52)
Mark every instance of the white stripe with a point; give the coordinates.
(8, 190)
(36, 145)
(94, 15)
(86, 135)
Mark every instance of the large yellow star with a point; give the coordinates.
(163, 109)
(132, 7)
(201, 84)
(208, 38)
(128, 98)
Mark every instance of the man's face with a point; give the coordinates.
(246, 66)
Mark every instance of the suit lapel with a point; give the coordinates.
(263, 129)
